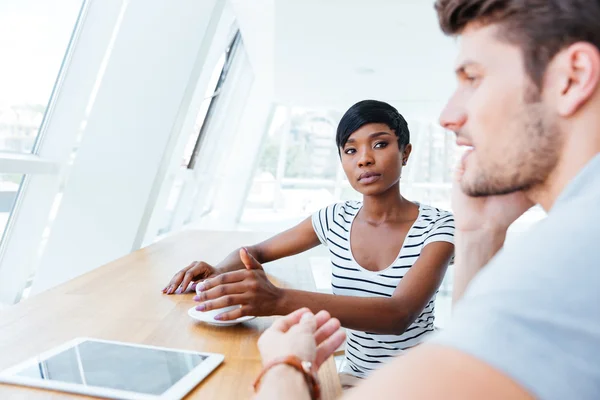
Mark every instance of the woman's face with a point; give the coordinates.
(371, 159)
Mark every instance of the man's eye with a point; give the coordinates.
(472, 79)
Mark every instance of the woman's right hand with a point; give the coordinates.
(193, 273)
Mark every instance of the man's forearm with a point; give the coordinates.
(375, 314)
(473, 250)
(283, 382)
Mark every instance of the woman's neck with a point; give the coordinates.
(389, 206)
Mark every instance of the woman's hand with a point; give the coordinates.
(249, 288)
(193, 273)
(310, 337)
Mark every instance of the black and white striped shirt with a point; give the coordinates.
(368, 351)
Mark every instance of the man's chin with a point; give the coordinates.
(485, 188)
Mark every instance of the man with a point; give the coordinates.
(527, 316)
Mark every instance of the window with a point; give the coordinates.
(34, 35)
(34, 38)
(208, 106)
(9, 189)
(298, 170)
(211, 92)
(183, 187)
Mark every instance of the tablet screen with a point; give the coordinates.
(116, 366)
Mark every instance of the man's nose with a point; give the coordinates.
(453, 117)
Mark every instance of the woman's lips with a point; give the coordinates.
(368, 178)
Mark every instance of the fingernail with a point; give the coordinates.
(201, 307)
(219, 317)
(196, 298)
(178, 291)
(200, 287)
(306, 316)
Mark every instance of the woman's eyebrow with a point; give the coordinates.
(371, 136)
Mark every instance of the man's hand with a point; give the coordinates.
(481, 225)
(310, 337)
(196, 271)
(249, 288)
(490, 213)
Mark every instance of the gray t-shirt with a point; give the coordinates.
(534, 311)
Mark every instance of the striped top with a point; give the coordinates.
(368, 351)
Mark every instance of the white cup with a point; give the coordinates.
(211, 314)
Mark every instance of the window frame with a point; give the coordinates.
(229, 58)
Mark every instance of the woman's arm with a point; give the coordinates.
(392, 315)
(296, 240)
(377, 314)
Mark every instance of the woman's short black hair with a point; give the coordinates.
(372, 112)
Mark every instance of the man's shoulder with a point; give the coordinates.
(533, 312)
(559, 250)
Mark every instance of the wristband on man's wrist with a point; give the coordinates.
(304, 367)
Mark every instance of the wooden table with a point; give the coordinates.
(123, 301)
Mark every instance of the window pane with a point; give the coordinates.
(311, 150)
(215, 85)
(298, 170)
(208, 98)
(9, 188)
(34, 35)
(174, 195)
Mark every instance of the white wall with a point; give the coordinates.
(331, 53)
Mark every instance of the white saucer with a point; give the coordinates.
(209, 316)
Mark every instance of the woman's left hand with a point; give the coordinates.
(249, 288)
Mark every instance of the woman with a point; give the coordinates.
(388, 254)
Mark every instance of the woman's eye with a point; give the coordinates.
(380, 145)
(350, 151)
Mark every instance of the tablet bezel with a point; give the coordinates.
(177, 391)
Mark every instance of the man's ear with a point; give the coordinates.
(577, 71)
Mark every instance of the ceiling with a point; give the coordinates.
(332, 53)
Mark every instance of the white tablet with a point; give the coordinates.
(115, 370)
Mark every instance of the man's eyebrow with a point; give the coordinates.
(462, 66)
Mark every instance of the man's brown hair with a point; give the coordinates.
(541, 28)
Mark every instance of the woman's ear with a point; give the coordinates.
(406, 153)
